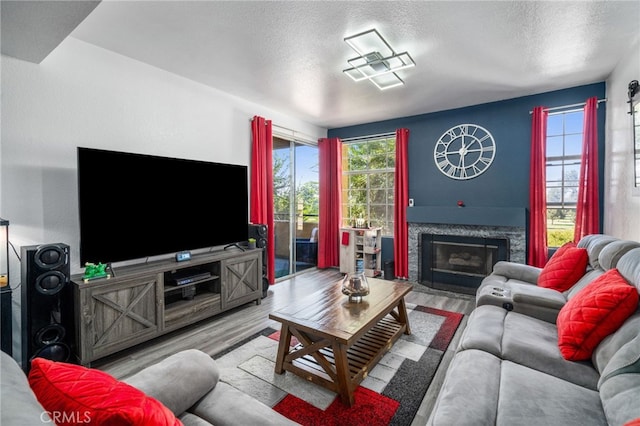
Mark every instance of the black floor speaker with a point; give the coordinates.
(47, 304)
(259, 232)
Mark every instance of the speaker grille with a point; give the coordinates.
(50, 256)
(50, 282)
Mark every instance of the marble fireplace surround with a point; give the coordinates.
(488, 222)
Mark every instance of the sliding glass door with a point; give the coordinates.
(295, 190)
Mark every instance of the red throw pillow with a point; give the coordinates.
(73, 394)
(593, 313)
(567, 265)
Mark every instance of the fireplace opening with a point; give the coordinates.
(459, 263)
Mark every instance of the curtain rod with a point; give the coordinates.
(284, 131)
(568, 106)
(359, 138)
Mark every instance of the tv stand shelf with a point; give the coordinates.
(141, 302)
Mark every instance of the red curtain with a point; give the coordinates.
(330, 153)
(588, 205)
(401, 202)
(537, 244)
(261, 210)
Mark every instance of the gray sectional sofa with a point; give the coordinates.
(508, 369)
(186, 383)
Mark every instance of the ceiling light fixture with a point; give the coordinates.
(378, 62)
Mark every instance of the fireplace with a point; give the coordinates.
(459, 262)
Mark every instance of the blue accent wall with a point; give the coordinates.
(506, 182)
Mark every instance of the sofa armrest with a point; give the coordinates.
(228, 406)
(18, 403)
(179, 380)
(538, 302)
(517, 271)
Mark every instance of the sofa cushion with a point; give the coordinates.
(611, 254)
(75, 394)
(594, 243)
(537, 348)
(470, 392)
(564, 268)
(595, 312)
(629, 267)
(481, 389)
(531, 397)
(611, 345)
(494, 330)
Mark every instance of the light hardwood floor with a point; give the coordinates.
(223, 331)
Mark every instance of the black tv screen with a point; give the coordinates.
(134, 206)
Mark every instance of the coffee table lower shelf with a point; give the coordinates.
(320, 366)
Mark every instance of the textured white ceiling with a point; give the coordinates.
(289, 55)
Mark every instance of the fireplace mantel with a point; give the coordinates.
(484, 216)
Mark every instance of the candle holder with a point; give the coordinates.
(355, 286)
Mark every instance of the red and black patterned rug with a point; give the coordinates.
(392, 399)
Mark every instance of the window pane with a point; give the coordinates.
(390, 199)
(570, 195)
(378, 196)
(357, 182)
(573, 122)
(572, 174)
(554, 173)
(573, 145)
(560, 224)
(554, 195)
(378, 161)
(554, 146)
(554, 125)
(378, 180)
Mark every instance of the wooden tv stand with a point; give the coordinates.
(141, 302)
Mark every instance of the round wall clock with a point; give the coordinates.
(464, 151)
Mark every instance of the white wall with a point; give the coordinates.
(621, 200)
(82, 95)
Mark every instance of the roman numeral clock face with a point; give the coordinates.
(464, 151)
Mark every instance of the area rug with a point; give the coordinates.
(390, 395)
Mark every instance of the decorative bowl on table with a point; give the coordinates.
(355, 286)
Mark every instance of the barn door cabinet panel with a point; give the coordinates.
(242, 278)
(116, 314)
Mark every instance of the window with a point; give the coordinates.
(564, 151)
(368, 178)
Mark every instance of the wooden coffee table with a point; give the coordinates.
(340, 342)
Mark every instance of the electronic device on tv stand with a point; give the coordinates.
(184, 277)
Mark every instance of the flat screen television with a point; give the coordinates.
(134, 206)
